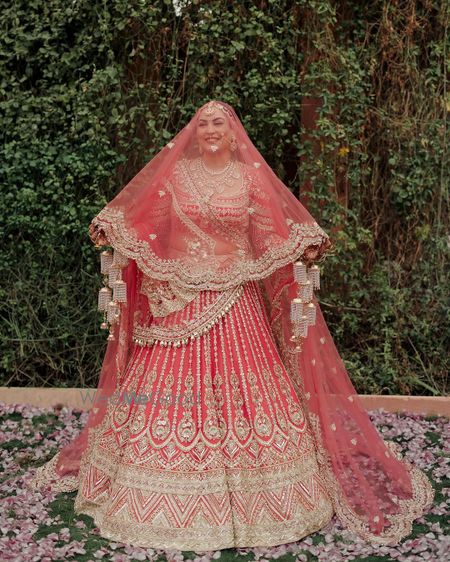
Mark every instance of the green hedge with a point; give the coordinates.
(91, 90)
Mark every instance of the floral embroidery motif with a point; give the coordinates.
(165, 297)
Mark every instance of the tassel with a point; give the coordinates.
(296, 310)
(303, 311)
(300, 274)
(303, 326)
(300, 328)
(104, 296)
(106, 259)
(120, 291)
(311, 313)
(114, 292)
(306, 291)
(314, 276)
(113, 275)
(112, 312)
(119, 260)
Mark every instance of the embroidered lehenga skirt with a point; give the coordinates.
(206, 446)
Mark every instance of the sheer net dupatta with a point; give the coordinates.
(166, 220)
(376, 492)
(167, 226)
(60, 473)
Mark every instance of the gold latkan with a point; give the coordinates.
(114, 291)
(303, 310)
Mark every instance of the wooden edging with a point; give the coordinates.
(83, 398)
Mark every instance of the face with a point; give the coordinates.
(213, 131)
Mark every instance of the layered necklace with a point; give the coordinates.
(215, 181)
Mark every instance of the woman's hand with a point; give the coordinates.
(310, 254)
(97, 236)
(313, 252)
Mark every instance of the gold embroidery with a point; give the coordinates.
(165, 297)
(209, 275)
(46, 475)
(162, 484)
(202, 313)
(186, 427)
(226, 214)
(172, 509)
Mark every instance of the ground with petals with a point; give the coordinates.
(43, 526)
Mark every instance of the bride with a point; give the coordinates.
(224, 416)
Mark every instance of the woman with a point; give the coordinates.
(224, 415)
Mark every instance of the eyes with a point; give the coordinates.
(216, 123)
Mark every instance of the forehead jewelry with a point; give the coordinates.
(211, 106)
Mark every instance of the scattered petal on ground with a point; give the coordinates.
(42, 526)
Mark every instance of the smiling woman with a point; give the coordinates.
(210, 294)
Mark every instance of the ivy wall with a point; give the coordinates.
(90, 90)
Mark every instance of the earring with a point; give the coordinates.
(233, 143)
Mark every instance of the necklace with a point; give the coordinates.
(212, 182)
(216, 172)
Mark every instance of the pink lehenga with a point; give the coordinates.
(215, 425)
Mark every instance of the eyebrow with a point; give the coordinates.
(215, 119)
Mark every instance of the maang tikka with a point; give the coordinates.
(212, 105)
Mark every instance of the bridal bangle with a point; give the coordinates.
(303, 310)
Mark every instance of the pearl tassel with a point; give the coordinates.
(119, 259)
(113, 275)
(112, 312)
(314, 276)
(306, 291)
(104, 296)
(115, 290)
(311, 313)
(296, 310)
(106, 259)
(300, 274)
(120, 291)
(303, 311)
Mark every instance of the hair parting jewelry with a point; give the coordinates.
(213, 105)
